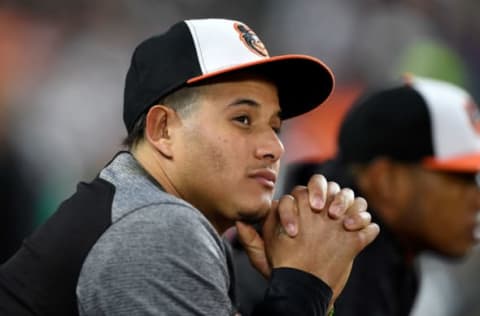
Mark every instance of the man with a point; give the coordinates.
(203, 105)
(413, 150)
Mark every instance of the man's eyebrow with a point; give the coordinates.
(244, 101)
(252, 103)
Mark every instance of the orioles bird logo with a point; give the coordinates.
(251, 40)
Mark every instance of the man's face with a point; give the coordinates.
(228, 150)
(444, 210)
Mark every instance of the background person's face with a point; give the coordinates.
(444, 209)
(228, 154)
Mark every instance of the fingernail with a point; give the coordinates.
(291, 229)
(318, 202)
(335, 209)
(349, 221)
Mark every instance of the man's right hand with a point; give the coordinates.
(322, 247)
(330, 227)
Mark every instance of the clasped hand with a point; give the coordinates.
(318, 228)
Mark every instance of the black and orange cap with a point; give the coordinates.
(195, 50)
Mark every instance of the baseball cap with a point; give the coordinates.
(195, 50)
(421, 120)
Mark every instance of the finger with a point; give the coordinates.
(274, 205)
(332, 190)
(357, 221)
(359, 205)
(356, 216)
(254, 247)
(248, 236)
(367, 235)
(288, 214)
(341, 202)
(317, 192)
(302, 202)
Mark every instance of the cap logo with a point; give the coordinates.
(250, 39)
(473, 115)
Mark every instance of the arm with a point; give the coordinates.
(156, 261)
(294, 292)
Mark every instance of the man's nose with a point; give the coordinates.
(270, 146)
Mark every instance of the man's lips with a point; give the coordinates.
(266, 177)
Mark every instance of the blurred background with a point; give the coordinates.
(63, 62)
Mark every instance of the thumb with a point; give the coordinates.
(254, 247)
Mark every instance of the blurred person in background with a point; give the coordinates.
(17, 200)
(29, 37)
(413, 150)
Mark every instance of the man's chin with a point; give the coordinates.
(254, 213)
(252, 219)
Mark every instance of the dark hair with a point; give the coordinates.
(136, 133)
(181, 101)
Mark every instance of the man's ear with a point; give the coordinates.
(158, 128)
(380, 172)
(389, 186)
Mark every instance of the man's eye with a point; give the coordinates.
(243, 119)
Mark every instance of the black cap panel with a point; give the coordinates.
(160, 65)
(394, 123)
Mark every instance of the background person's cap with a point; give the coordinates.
(423, 120)
(194, 50)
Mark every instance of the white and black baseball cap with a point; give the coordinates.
(421, 120)
(195, 50)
